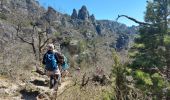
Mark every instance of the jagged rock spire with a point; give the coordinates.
(83, 13)
(74, 14)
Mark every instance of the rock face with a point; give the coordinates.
(122, 42)
(98, 29)
(82, 25)
(50, 14)
(73, 47)
(83, 13)
(92, 17)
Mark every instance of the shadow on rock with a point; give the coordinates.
(29, 95)
(39, 83)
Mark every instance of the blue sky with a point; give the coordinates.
(102, 9)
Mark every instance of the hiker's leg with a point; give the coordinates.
(59, 79)
(51, 83)
(58, 73)
(55, 79)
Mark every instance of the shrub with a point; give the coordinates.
(143, 78)
(3, 16)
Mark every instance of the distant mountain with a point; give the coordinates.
(80, 23)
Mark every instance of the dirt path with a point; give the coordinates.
(36, 86)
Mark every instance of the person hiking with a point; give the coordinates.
(50, 60)
(62, 63)
(64, 66)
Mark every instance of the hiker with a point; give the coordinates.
(50, 60)
(62, 63)
(64, 66)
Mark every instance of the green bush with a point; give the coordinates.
(143, 78)
(82, 46)
(3, 16)
(107, 95)
(167, 39)
(158, 80)
(57, 34)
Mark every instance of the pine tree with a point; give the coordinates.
(150, 44)
(152, 47)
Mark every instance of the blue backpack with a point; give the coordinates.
(51, 62)
(65, 65)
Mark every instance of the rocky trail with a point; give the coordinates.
(37, 88)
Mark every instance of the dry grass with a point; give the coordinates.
(91, 91)
(16, 61)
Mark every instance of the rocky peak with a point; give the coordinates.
(93, 19)
(50, 15)
(83, 13)
(74, 14)
(51, 10)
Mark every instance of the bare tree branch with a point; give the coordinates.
(22, 39)
(133, 19)
(44, 43)
(84, 82)
(41, 46)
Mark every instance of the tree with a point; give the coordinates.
(152, 47)
(38, 34)
(124, 88)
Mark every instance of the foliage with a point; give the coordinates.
(152, 85)
(167, 40)
(123, 88)
(107, 95)
(133, 54)
(147, 47)
(3, 16)
(158, 81)
(150, 51)
(142, 78)
(139, 45)
(152, 37)
(56, 34)
(82, 46)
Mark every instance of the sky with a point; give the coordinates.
(102, 9)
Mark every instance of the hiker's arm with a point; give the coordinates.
(56, 57)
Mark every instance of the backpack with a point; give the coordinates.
(65, 65)
(51, 61)
(60, 58)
